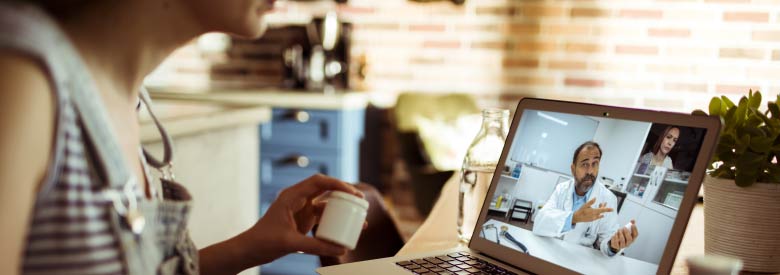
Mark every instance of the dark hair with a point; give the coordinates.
(58, 8)
(586, 144)
(660, 140)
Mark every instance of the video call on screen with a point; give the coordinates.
(642, 174)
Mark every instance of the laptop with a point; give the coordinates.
(647, 165)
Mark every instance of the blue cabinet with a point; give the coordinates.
(298, 143)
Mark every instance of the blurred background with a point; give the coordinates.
(400, 83)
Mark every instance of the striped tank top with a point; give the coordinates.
(74, 229)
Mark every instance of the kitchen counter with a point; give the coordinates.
(183, 117)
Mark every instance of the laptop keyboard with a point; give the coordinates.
(453, 263)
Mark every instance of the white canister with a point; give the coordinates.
(343, 218)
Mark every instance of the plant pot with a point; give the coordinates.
(743, 223)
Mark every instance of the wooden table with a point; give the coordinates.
(438, 230)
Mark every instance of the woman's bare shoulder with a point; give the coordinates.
(28, 118)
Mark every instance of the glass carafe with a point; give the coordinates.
(478, 168)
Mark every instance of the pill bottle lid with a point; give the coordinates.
(350, 198)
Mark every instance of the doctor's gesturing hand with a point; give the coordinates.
(588, 214)
(623, 237)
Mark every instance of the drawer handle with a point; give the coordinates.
(299, 116)
(297, 160)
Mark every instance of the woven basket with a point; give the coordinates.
(743, 223)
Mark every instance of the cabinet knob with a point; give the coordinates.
(297, 160)
(302, 116)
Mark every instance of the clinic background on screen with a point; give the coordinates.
(644, 166)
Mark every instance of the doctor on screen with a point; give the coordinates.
(581, 210)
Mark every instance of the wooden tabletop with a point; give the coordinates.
(438, 231)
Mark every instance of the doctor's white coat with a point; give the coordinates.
(550, 220)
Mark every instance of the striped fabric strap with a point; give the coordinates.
(86, 99)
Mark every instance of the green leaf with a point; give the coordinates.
(742, 144)
(726, 101)
(730, 119)
(761, 144)
(764, 118)
(749, 162)
(774, 109)
(715, 106)
(741, 112)
(698, 112)
(728, 140)
(755, 100)
(745, 180)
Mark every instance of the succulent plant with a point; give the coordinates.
(749, 144)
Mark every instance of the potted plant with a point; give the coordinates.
(742, 188)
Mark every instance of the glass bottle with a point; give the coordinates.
(478, 168)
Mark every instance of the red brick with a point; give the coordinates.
(442, 44)
(568, 29)
(639, 50)
(476, 27)
(544, 10)
(521, 63)
(427, 28)
(566, 65)
(770, 36)
(589, 12)
(741, 53)
(734, 89)
(534, 46)
(584, 48)
(644, 14)
(670, 32)
(529, 80)
(492, 45)
(754, 17)
(355, 9)
(500, 11)
(524, 28)
(584, 82)
(378, 27)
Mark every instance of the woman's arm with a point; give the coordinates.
(26, 138)
(281, 231)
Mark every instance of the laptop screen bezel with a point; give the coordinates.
(536, 265)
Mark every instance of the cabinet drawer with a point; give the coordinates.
(298, 127)
(286, 166)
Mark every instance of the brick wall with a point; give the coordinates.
(661, 54)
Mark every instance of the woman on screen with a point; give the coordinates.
(659, 156)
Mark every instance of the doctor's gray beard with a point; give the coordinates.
(580, 184)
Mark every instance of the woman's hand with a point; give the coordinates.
(283, 228)
(281, 231)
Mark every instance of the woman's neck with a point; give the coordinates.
(659, 157)
(123, 41)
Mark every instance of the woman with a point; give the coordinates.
(659, 156)
(75, 196)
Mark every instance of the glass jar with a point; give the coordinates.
(478, 168)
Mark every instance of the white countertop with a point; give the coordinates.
(180, 117)
(275, 98)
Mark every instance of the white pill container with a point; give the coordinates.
(343, 218)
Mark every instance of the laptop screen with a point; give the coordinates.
(587, 193)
